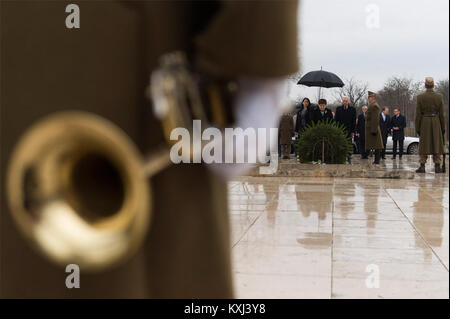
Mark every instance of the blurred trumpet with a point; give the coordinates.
(78, 187)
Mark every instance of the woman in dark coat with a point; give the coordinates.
(303, 115)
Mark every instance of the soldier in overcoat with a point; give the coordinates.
(373, 132)
(430, 126)
(103, 67)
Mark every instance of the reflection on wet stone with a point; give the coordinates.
(313, 237)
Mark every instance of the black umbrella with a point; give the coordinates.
(322, 79)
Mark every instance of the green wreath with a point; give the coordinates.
(325, 140)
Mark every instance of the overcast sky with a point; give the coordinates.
(412, 39)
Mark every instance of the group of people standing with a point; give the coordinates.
(373, 126)
(306, 114)
(345, 115)
(394, 126)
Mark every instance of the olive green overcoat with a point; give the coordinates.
(373, 142)
(104, 67)
(431, 128)
(286, 130)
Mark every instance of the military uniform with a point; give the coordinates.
(373, 138)
(103, 67)
(430, 124)
(286, 132)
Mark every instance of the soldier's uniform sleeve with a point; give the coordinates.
(374, 119)
(418, 115)
(251, 38)
(442, 114)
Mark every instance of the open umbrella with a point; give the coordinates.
(321, 79)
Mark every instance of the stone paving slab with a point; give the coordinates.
(323, 237)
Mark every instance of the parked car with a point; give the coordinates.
(410, 145)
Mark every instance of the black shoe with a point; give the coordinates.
(376, 163)
(400, 158)
(421, 169)
(285, 157)
(377, 157)
(437, 168)
(384, 157)
(393, 157)
(364, 157)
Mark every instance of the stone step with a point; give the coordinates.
(335, 170)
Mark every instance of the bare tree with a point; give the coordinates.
(354, 90)
(443, 88)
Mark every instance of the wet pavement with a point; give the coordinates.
(322, 237)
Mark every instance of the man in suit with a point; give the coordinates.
(361, 132)
(385, 127)
(373, 132)
(104, 68)
(430, 126)
(346, 115)
(398, 124)
(322, 112)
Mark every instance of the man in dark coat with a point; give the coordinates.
(346, 115)
(373, 132)
(398, 124)
(322, 112)
(361, 132)
(430, 126)
(103, 68)
(385, 127)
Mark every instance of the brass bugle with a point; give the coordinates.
(77, 186)
(78, 189)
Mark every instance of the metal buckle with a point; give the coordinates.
(175, 94)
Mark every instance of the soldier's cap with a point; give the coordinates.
(372, 94)
(429, 81)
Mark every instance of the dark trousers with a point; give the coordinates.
(383, 151)
(285, 150)
(349, 157)
(400, 144)
(362, 147)
(364, 153)
(377, 156)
